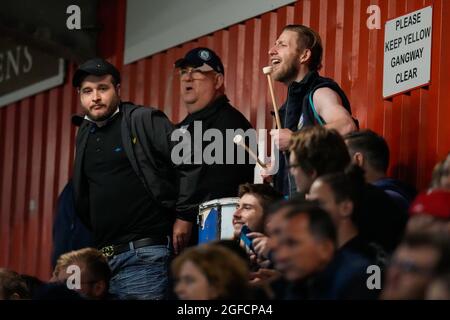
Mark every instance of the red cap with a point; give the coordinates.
(435, 203)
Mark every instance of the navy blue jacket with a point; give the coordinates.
(345, 278)
(401, 193)
(68, 232)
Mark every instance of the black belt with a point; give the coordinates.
(110, 251)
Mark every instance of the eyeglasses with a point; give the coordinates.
(194, 73)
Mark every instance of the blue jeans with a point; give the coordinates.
(141, 273)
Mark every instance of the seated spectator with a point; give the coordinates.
(441, 175)
(94, 276)
(56, 291)
(210, 272)
(235, 247)
(317, 151)
(416, 261)
(371, 152)
(32, 283)
(341, 194)
(12, 286)
(308, 259)
(254, 200)
(430, 211)
(258, 279)
(265, 244)
(274, 285)
(439, 289)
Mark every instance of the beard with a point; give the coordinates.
(287, 73)
(110, 109)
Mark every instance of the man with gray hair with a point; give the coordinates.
(202, 89)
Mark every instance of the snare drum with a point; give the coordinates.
(215, 219)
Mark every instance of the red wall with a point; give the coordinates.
(37, 140)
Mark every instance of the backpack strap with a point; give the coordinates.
(337, 90)
(316, 115)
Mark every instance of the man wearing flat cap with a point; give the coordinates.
(125, 185)
(201, 75)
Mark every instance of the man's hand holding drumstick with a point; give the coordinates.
(281, 136)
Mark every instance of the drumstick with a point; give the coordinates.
(267, 70)
(239, 140)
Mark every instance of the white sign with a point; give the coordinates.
(407, 52)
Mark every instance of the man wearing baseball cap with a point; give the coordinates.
(202, 90)
(125, 185)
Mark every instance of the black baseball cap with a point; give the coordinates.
(200, 56)
(96, 67)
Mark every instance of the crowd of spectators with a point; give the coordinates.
(350, 232)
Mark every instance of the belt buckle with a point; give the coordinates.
(108, 251)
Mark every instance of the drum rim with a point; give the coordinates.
(222, 201)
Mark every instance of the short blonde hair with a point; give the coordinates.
(96, 263)
(224, 270)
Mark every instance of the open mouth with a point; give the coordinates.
(188, 88)
(275, 61)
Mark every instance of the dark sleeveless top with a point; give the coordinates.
(298, 112)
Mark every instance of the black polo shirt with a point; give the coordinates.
(121, 209)
(219, 180)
